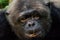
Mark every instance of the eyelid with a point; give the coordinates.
(23, 18)
(36, 15)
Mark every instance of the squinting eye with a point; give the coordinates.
(36, 17)
(23, 19)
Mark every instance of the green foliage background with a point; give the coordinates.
(3, 3)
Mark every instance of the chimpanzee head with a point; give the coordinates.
(29, 19)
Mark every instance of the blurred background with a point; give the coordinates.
(4, 4)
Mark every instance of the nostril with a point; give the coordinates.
(29, 25)
(33, 24)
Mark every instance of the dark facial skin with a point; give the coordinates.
(29, 19)
(31, 23)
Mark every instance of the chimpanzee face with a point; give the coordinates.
(30, 20)
(30, 23)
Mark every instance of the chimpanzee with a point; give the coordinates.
(30, 20)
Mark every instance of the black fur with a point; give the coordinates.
(5, 30)
(54, 33)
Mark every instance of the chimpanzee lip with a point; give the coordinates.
(33, 35)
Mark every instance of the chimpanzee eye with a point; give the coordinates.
(36, 17)
(23, 19)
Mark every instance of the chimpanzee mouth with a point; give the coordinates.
(33, 35)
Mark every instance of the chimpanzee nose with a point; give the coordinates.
(31, 24)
